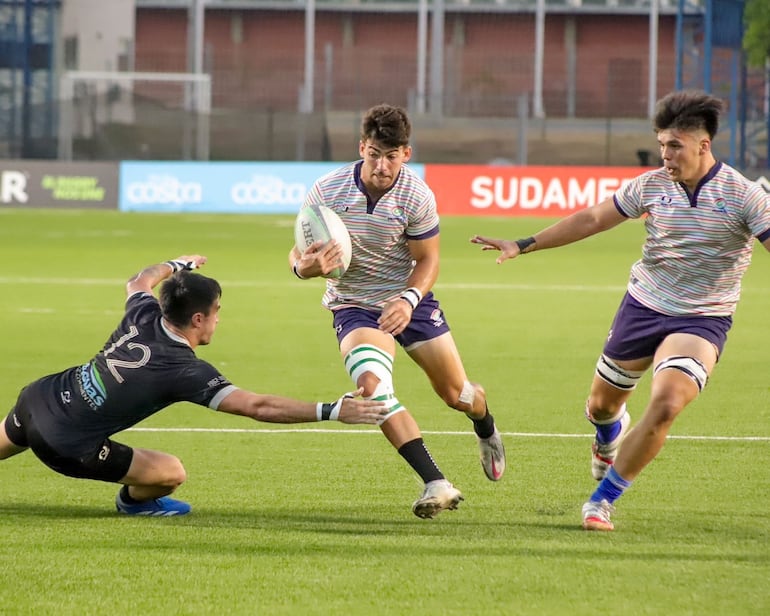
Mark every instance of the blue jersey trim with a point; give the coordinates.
(424, 236)
(618, 208)
(763, 236)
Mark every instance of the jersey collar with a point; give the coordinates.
(173, 335)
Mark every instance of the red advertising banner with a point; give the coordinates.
(486, 190)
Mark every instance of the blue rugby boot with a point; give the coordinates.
(164, 506)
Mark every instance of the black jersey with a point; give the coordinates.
(142, 368)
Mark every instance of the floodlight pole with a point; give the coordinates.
(66, 117)
(537, 99)
(306, 100)
(437, 60)
(422, 52)
(196, 16)
(652, 87)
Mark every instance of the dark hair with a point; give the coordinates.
(688, 110)
(388, 125)
(183, 294)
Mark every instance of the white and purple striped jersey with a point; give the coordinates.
(698, 245)
(381, 262)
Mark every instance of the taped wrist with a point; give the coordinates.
(412, 296)
(324, 410)
(177, 265)
(330, 411)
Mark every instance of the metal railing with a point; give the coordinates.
(577, 6)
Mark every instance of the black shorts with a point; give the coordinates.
(108, 461)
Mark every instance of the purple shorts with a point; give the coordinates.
(637, 331)
(427, 322)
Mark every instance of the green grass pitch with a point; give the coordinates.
(319, 522)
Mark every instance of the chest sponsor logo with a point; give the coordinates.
(720, 205)
(89, 388)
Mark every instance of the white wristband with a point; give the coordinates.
(177, 265)
(295, 269)
(412, 296)
(334, 415)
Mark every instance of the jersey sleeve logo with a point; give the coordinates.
(216, 381)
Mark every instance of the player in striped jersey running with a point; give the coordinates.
(702, 217)
(385, 296)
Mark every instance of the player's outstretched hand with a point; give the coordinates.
(357, 411)
(191, 261)
(508, 248)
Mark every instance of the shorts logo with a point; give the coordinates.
(16, 421)
(437, 318)
(66, 397)
(104, 453)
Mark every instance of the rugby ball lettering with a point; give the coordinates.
(318, 222)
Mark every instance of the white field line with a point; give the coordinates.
(26, 280)
(460, 286)
(438, 432)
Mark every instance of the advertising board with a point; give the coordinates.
(54, 184)
(227, 187)
(523, 191)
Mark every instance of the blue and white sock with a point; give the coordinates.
(611, 487)
(607, 430)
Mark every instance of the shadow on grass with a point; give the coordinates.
(24, 514)
(253, 519)
(283, 530)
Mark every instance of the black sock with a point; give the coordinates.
(418, 457)
(126, 497)
(484, 427)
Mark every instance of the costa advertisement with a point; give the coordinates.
(523, 191)
(237, 187)
(226, 187)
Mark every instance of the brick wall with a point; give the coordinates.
(256, 58)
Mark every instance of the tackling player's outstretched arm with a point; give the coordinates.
(146, 280)
(278, 409)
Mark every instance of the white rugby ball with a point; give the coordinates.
(318, 222)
